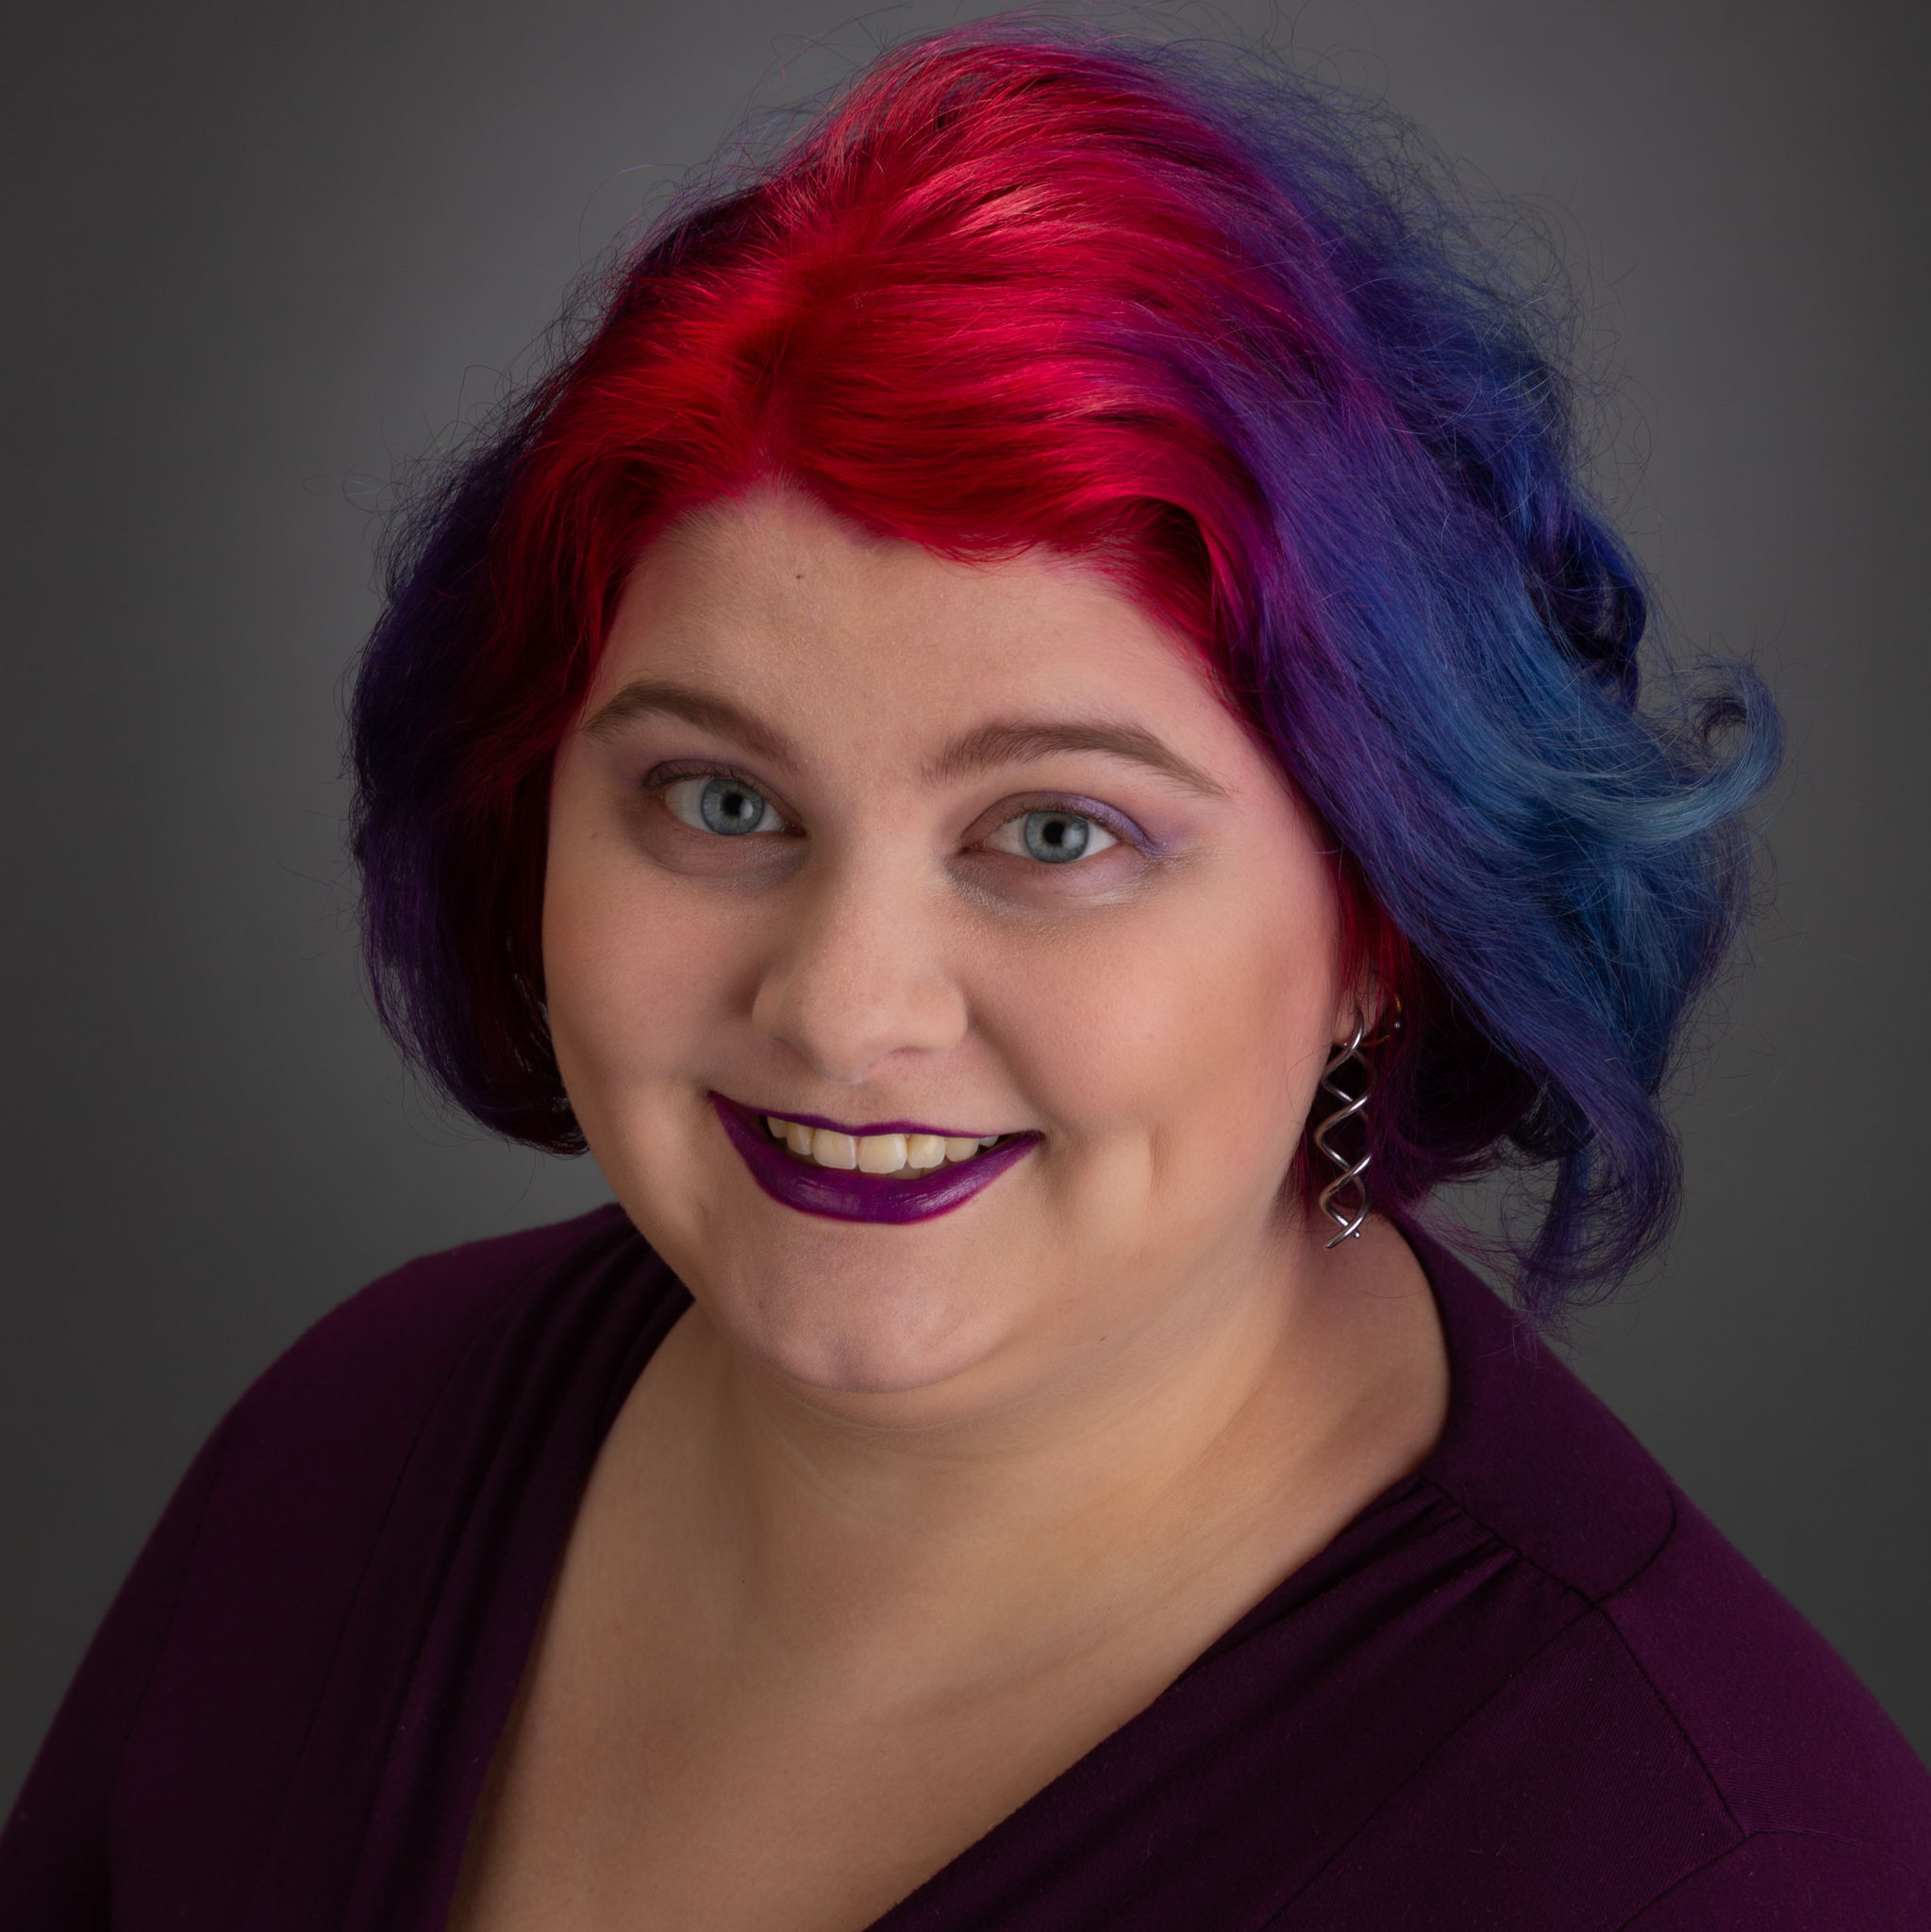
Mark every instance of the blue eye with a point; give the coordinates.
(1056, 837)
(723, 804)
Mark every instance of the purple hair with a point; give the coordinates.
(1029, 283)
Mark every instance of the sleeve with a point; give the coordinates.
(54, 1866)
(1796, 1878)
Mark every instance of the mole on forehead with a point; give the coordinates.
(999, 742)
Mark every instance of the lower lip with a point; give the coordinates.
(845, 1194)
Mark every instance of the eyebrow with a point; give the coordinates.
(1001, 741)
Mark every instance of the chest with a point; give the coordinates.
(654, 1799)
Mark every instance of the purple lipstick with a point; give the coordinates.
(845, 1194)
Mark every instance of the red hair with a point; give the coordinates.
(1028, 287)
(921, 322)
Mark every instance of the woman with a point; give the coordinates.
(1033, 744)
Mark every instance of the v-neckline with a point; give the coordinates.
(507, 1670)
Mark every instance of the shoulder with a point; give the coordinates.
(1791, 1877)
(390, 1346)
(412, 1373)
(429, 1432)
(1805, 1761)
(1683, 1674)
(441, 1417)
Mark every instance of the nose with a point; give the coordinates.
(858, 970)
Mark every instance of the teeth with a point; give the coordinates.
(881, 1153)
(900, 1154)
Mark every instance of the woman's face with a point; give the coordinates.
(852, 834)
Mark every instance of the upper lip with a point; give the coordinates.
(860, 1131)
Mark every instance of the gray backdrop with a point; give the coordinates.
(262, 254)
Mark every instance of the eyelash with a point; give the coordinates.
(662, 777)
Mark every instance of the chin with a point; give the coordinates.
(865, 1331)
(830, 1307)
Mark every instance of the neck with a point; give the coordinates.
(1182, 1468)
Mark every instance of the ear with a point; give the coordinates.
(1365, 1004)
(1360, 1005)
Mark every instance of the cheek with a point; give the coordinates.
(629, 969)
(1195, 1032)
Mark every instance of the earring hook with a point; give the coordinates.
(1349, 1219)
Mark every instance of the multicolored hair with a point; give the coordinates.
(1029, 284)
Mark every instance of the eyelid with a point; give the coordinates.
(661, 777)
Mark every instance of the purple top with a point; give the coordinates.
(1528, 1687)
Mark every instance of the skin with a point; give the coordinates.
(901, 1521)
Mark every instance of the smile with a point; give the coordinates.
(898, 1154)
(891, 1171)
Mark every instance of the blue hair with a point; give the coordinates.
(1178, 307)
(1448, 659)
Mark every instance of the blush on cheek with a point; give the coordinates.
(631, 963)
(593, 990)
(1183, 1049)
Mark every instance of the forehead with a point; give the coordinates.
(780, 603)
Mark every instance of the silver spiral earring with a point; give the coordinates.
(1348, 1221)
